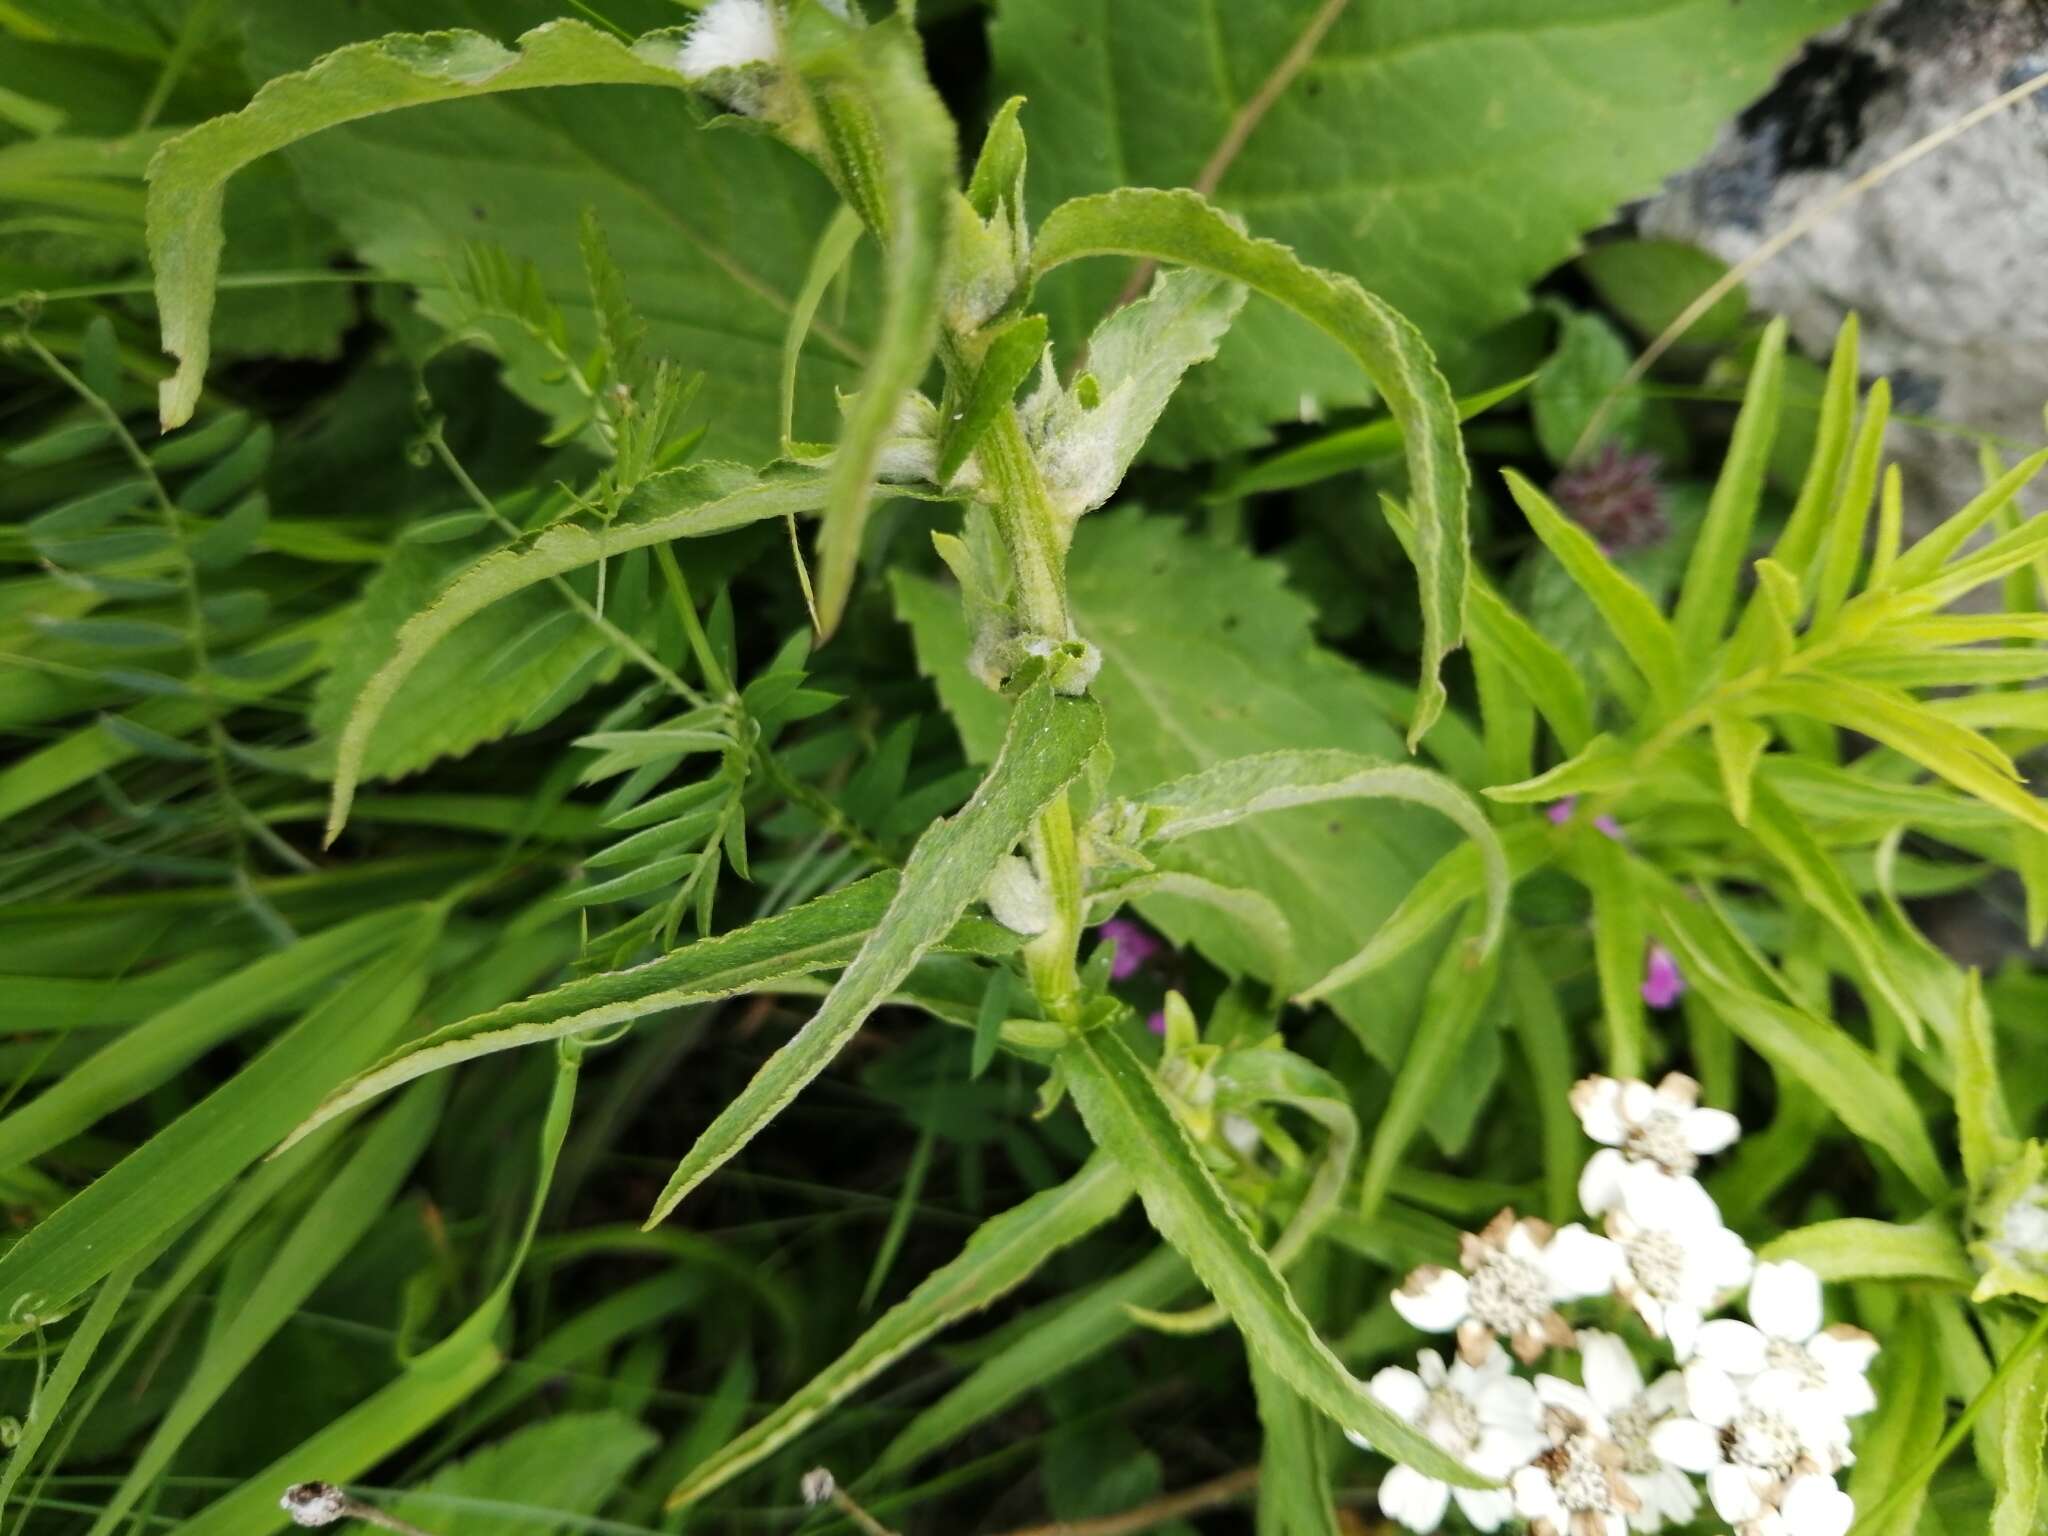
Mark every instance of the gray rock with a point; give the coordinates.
(1944, 261)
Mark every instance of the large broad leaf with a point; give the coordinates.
(1049, 741)
(1128, 1119)
(1182, 228)
(1207, 656)
(714, 228)
(1002, 1254)
(1446, 155)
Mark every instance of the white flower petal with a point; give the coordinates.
(1502, 1448)
(1667, 1393)
(1581, 1263)
(1682, 1327)
(1402, 1392)
(1842, 1351)
(1666, 1493)
(1597, 1102)
(1535, 1497)
(1600, 1182)
(1687, 1444)
(1732, 1346)
(1722, 1260)
(1708, 1131)
(1849, 1394)
(1784, 1300)
(1509, 1402)
(1430, 1366)
(1437, 1305)
(1638, 1101)
(1415, 1501)
(1612, 1376)
(1734, 1494)
(1572, 1398)
(1814, 1506)
(1487, 1508)
(1711, 1394)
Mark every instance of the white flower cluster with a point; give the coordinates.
(1758, 1409)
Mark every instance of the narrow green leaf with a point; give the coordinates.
(1049, 740)
(1869, 1100)
(1931, 552)
(149, 1054)
(1062, 1336)
(1804, 528)
(51, 1396)
(822, 934)
(188, 176)
(1346, 449)
(1621, 938)
(1739, 744)
(1984, 1125)
(1294, 1461)
(2022, 1443)
(1551, 681)
(1648, 641)
(1858, 1249)
(351, 1201)
(1706, 595)
(904, 157)
(1547, 1044)
(1459, 992)
(834, 249)
(190, 1160)
(1912, 1404)
(1129, 1120)
(1182, 227)
(1842, 552)
(1910, 728)
(1003, 1253)
(1013, 352)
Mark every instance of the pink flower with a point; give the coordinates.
(1617, 497)
(1133, 947)
(1663, 982)
(1560, 812)
(1157, 1023)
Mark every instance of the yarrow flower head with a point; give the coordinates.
(1758, 1410)
(1515, 1272)
(1678, 1261)
(1784, 1352)
(1481, 1414)
(1576, 1486)
(1663, 1127)
(1622, 1411)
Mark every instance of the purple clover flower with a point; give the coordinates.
(1616, 497)
(1133, 947)
(1663, 982)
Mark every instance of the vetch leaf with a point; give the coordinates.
(1049, 740)
(683, 503)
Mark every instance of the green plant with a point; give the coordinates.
(1677, 794)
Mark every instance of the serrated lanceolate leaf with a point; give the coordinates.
(823, 933)
(1207, 656)
(1128, 1119)
(684, 503)
(875, 75)
(1002, 1254)
(1446, 155)
(1183, 228)
(189, 174)
(714, 230)
(1048, 742)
